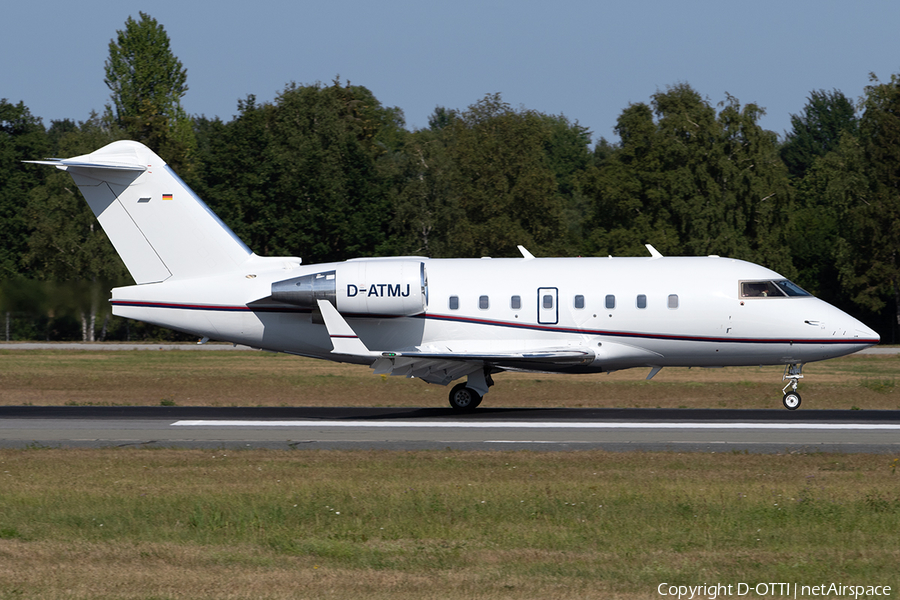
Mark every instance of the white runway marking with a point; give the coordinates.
(531, 425)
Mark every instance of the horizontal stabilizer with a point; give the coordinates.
(65, 163)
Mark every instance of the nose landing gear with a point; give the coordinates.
(792, 375)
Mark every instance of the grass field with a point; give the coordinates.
(235, 378)
(161, 524)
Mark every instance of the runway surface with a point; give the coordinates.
(682, 430)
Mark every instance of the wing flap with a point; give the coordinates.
(444, 367)
(560, 356)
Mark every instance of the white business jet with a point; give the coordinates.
(439, 320)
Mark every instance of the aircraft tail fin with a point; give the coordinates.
(156, 223)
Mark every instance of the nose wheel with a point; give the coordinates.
(791, 400)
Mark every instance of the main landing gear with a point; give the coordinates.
(467, 396)
(464, 398)
(792, 375)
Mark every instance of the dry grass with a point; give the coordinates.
(143, 571)
(236, 378)
(152, 524)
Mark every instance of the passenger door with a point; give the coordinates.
(548, 307)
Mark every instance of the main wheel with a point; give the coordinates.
(791, 400)
(464, 398)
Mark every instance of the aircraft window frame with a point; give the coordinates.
(484, 302)
(610, 301)
(672, 302)
(579, 301)
(641, 301)
(515, 302)
(454, 303)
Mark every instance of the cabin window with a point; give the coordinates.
(515, 302)
(579, 301)
(483, 302)
(642, 301)
(547, 301)
(454, 302)
(673, 300)
(610, 301)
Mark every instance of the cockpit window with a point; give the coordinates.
(759, 289)
(791, 289)
(771, 289)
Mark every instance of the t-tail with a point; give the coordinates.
(156, 223)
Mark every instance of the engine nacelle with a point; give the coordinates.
(389, 287)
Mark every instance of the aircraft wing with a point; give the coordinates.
(424, 363)
(444, 367)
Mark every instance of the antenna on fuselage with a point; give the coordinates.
(653, 251)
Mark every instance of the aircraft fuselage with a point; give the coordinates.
(668, 311)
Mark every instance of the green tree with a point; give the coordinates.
(67, 242)
(817, 131)
(869, 242)
(473, 181)
(504, 186)
(691, 181)
(147, 82)
(309, 174)
(67, 246)
(237, 175)
(833, 183)
(22, 137)
(619, 223)
(424, 204)
(568, 155)
(755, 179)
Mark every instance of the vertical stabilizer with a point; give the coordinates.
(156, 223)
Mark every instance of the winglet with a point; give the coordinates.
(653, 251)
(525, 253)
(343, 339)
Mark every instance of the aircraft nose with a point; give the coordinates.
(867, 333)
(859, 330)
(838, 324)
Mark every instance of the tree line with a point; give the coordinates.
(326, 172)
